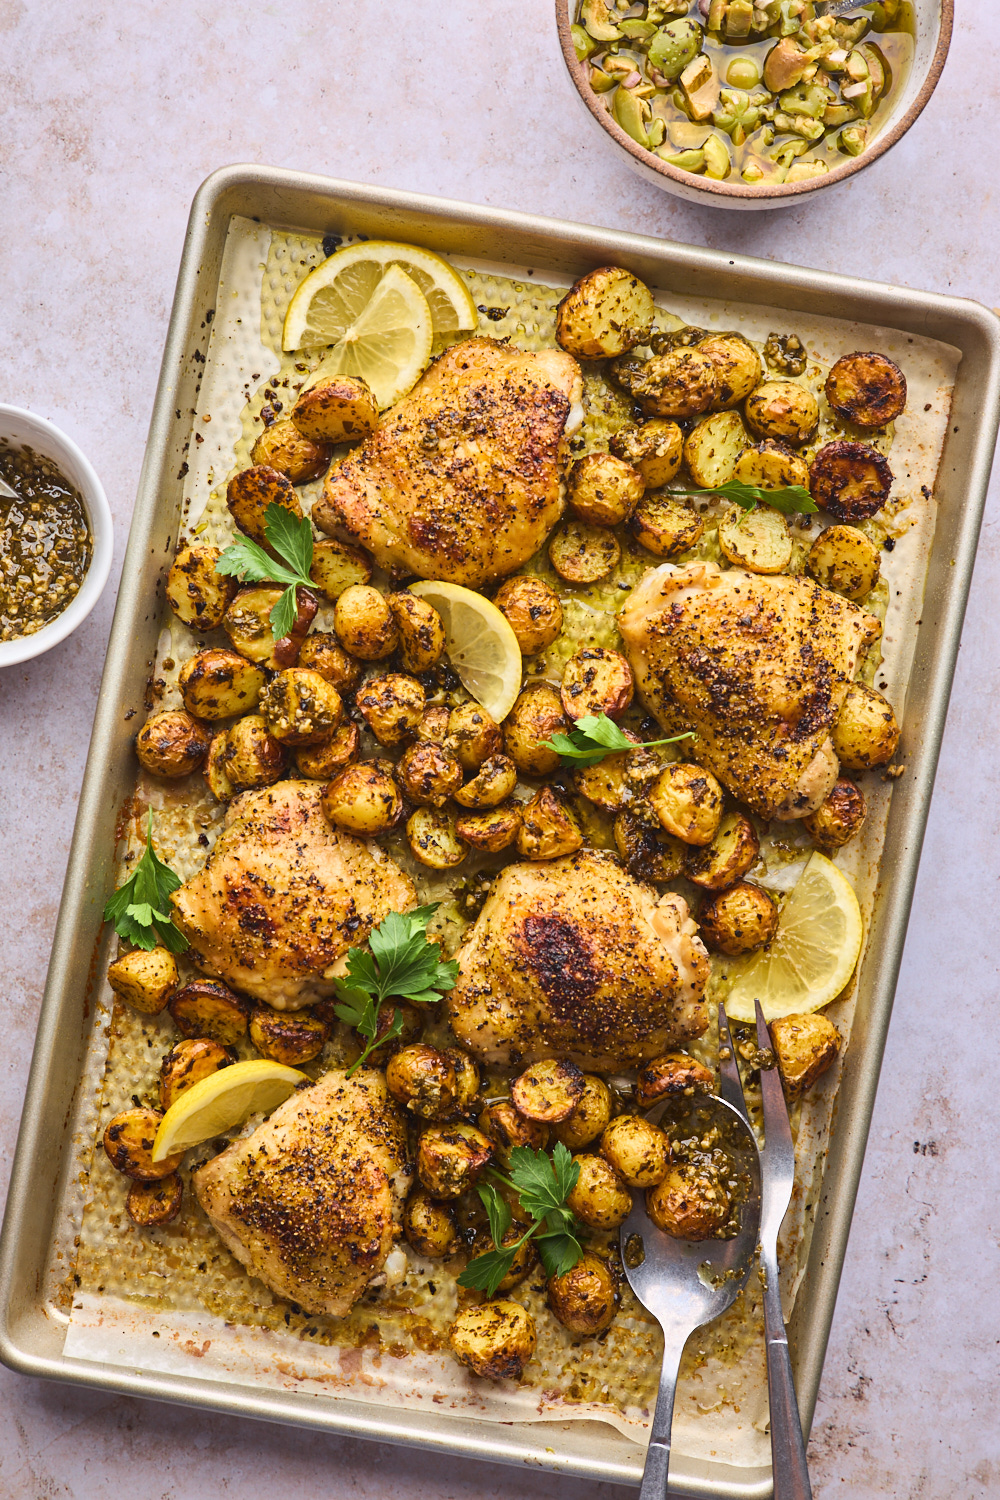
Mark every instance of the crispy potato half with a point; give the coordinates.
(336, 409)
(850, 480)
(866, 389)
(605, 313)
(713, 448)
(757, 540)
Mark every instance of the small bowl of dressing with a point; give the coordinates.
(56, 537)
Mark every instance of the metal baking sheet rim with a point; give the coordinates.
(30, 1338)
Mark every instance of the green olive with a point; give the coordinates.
(743, 73)
(674, 46)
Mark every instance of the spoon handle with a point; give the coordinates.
(654, 1475)
(788, 1450)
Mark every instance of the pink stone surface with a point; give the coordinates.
(110, 117)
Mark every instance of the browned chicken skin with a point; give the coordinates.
(572, 958)
(311, 1202)
(462, 479)
(283, 896)
(757, 666)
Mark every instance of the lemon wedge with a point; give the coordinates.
(481, 645)
(812, 955)
(383, 333)
(222, 1101)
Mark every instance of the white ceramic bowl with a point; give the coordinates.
(23, 429)
(934, 20)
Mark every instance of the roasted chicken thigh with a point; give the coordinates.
(757, 666)
(283, 896)
(311, 1202)
(462, 480)
(572, 958)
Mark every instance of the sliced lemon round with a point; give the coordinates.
(222, 1101)
(481, 645)
(812, 955)
(332, 297)
(385, 338)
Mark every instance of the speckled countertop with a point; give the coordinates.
(110, 117)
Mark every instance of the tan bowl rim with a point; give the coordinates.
(721, 191)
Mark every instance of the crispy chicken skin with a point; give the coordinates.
(757, 666)
(283, 896)
(311, 1202)
(462, 479)
(574, 959)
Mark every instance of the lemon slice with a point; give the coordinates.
(481, 645)
(332, 297)
(222, 1101)
(812, 955)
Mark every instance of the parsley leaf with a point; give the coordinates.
(399, 963)
(139, 909)
(792, 498)
(487, 1271)
(543, 1183)
(292, 539)
(497, 1210)
(558, 1251)
(596, 736)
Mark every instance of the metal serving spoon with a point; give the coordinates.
(686, 1283)
(6, 493)
(837, 7)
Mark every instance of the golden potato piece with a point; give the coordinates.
(392, 705)
(149, 1204)
(758, 540)
(584, 554)
(363, 799)
(739, 919)
(548, 1091)
(492, 830)
(771, 466)
(536, 716)
(219, 684)
(865, 734)
(196, 593)
(850, 480)
(474, 736)
(251, 756)
(495, 1340)
(506, 1129)
(589, 1117)
(450, 1157)
(866, 389)
(144, 978)
(665, 524)
(423, 1079)
(585, 1298)
(680, 384)
(365, 625)
(548, 829)
(688, 802)
(337, 567)
(249, 493)
(532, 609)
(421, 633)
(336, 409)
(290, 1037)
(434, 840)
(638, 1150)
(467, 1077)
(247, 623)
(429, 774)
(840, 818)
(301, 707)
(805, 1047)
(784, 410)
(844, 560)
(732, 852)
(218, 782)
(433, 724)
(675, 1075)
(172, 744)
(187, 1063)
(596, 681)
(604, 490)
(491, 785)
(713, 448)
(605, 784)
(429, 1226)
(655, 449)
(650, 854)
(321, 652)
(283, 447)
(324, 762)
(207, 1008)
(689, 1204)
(605, 313)
(737, 366)
(600, 1198)
(128, 1143)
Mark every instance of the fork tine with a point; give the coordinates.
(777, 1126)
(730, 1083)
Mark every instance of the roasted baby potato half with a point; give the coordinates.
(326, 761)
(434, 838)
(600, 1198)
(247, 623)
(737, 366)
(582, 554)
(429, 774)
(548, 1091)
(207, 1008)
(196, 593)
(596, 681)
(187, 1063)
(290, 1037)
(423, 1079)
(536, 716)
(283, 447)
(679, 385)
(144, 978)
(321, 652)
(605, 313)
(844, 560)
(336, 409)
(532, 609)
(771, 466)
(392, 706)
(866, 389)
(655, 449)
(491, 785)
(732, 852)
(589, 1117)
(128, 1143)
(474, 736)
(429, 1226)
(495, 1340)
(604, 490)
(688, 802)
(249, 755)
(784, 410)
(713, 447)
(337, 567)
(865, 734)
(506, 1129)
(674, 1075)
(805, 1047)
(638, 1150)
(421, 633)
(665, 524)
(365, 625)
(850, 480)
(840, 818)
(149, 1204)
(301, 707)
(363, 799)
(249, 493)
(739, 919)
(758, 540)
(450, 1157)
(585, 1298)
(548, 828)
(172, 743)
(492, 830)
(649, 853)
(689, 1204)
(219, 684)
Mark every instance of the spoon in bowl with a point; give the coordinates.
(687, 1283)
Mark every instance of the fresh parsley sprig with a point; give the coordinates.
(792, 498)
(293, 541)
(401, 964)
(139, 908)
(543, 1183)
(596, 736)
